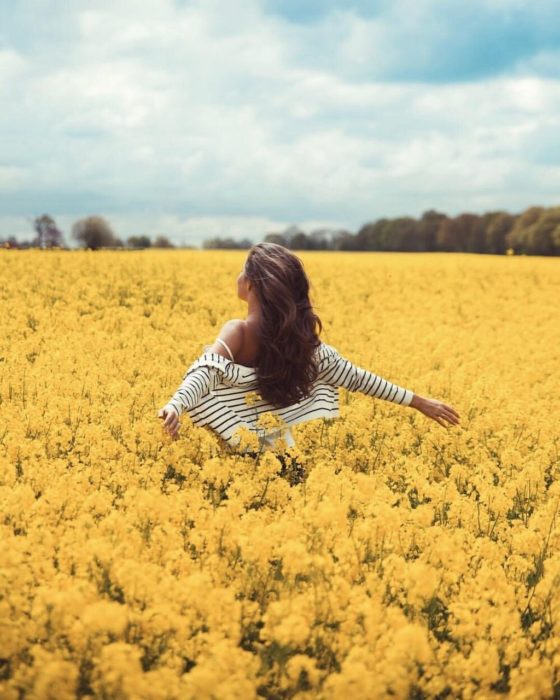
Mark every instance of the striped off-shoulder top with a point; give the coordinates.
(214, 391)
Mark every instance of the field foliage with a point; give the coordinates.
(406, 560)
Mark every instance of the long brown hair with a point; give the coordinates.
(287, 331)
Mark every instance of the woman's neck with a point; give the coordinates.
(253, 310)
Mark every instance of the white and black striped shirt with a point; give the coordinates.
(214, 389)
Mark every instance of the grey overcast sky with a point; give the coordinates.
(201, 118)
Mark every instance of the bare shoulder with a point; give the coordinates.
(234, 329)
(237, 323)
(232, 334)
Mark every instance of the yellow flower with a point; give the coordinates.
(301, 665)
(170, 567)
(245, 439)
(105, 616)
(270, 421)
(252, 397)
(56, 679)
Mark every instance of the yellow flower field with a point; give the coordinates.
(409, 561)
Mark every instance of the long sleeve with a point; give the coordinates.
(341, 372)
(196, 384)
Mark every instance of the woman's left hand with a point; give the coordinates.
(435, 409)
(170, 419)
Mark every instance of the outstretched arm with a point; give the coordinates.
(341, 372)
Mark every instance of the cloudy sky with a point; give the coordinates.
(200, 118)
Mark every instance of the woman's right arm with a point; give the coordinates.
(196, 385)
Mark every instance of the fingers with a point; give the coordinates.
(452, 411)
(446, 416)
(173, 429)
(439, 410)
(452, 417)
(171, 418)
(171, 421)
(445, 412)
(441, 413)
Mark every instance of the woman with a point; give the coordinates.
(276, 351)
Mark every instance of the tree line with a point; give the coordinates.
(93, 232)
(535, 231)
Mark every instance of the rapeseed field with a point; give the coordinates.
(409, 560)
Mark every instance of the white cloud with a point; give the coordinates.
(13, 177)
(212, 119)
(12, 64)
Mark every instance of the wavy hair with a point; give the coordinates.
(287, 330)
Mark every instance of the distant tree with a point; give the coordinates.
(162, 242)
(543, 236)
(518, 237)
(556, 230)
(319, 239)
(139, 242)
(299, 241)
(460, 234)
(372, 236)
(10, 242)
(364, 237)
(446, 236)
(48, 235)
(428, 228)
(94, 232)
(277, 238)
(344, 240)
(226, 243)
(293, 233)
(210, 243)
(476, 233)
(401, 234)
(497, 225)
